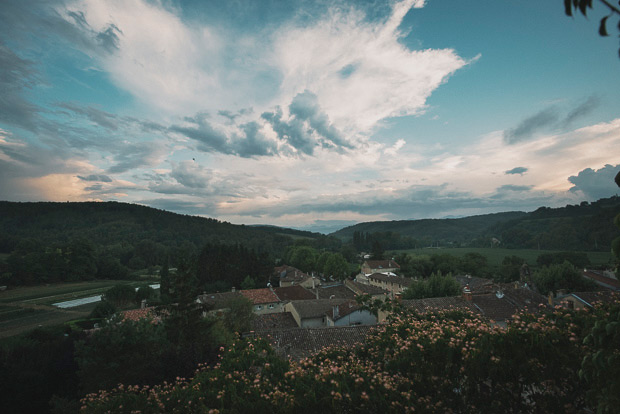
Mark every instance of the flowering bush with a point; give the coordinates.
(450, 361)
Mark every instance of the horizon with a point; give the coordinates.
(309, 114)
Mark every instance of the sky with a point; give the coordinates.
(308, 114)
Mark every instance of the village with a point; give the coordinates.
(305, 313)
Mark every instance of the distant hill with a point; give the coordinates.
(110, 223)
(587, 226)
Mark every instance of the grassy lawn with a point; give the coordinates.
(25, 308)
(58, 292)
(496, 255)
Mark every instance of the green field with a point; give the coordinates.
(496, 255)
(26, 308)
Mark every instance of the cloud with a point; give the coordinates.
(532, 125)
(517, 170)
(550, 118)
(134, 155)
(16, 74)
(581, 110)
(96, 177)
(596, 184)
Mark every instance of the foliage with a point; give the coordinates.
(36, 366)
(449, 361)
(303, 258)
(577, 259)
(230, 264)
(573, 227)
(433, 287)
(583, 5)
(561, 276)
(336, 266)
(600, 367)
(239, 318)
(104, 309)
(120, 295)
(145, 293)
(510, 269)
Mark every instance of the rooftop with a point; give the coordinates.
(259, 296)
(434, 304)
(295, 292)
(382, 264)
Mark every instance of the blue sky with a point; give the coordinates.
(309, 112)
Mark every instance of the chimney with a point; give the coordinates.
(313, 286)
(143, 304)
(467, 293)
(550, 298)
(233, 289)
(317, 293)
(335, 312)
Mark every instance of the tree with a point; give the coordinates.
(120, 295)
(433, 287)
(583, 5)
(377, 250)
(336, 266)
(239, 318)
(561, 276)
(303, 258)
(510, 269)
(248, 283)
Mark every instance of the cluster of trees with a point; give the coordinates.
(423, 266)
(556, 361)
(327, 264)
(437, 285)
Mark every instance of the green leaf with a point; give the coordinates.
(602, 30)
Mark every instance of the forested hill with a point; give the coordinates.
(114, 223)
(587, 226)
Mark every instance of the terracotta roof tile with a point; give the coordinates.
(295, 292)
(259, 296)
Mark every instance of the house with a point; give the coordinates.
(143, 313)
(312, 313)
(349, 314)
(264, 300)
(361, 289)
(476, 284)
(289, 276)
(333, 291)
(389, 281)
(294, 292)
(217, 301)
(604, 279)
(379, 266)
(586, 300)
(501, 306)
(271, 321)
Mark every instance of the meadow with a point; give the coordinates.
(496, 255)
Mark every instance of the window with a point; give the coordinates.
(271, 306)
(259, 307)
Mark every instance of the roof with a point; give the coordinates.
(338, 291)
(316, 308)
(217, 300)
(494, 307)
(382, 277)
(602, 280)
(299, 342)
(290, 274)
(475, 283)
(382, 264)
(344, 309)
(281, 320)
(434, 304)
(361, 288)
(590, 298)
(295, 292)
(258, 296)
(137, 314)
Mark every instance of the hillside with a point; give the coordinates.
(112, 222)
(587, 226)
